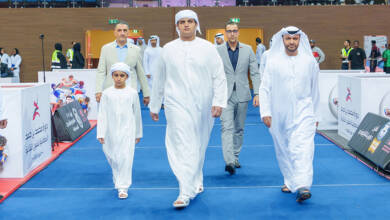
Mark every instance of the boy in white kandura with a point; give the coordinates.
(119, 127)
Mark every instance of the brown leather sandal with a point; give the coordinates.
(285, 189)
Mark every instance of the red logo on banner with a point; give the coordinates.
(36, 113)
(348, 98)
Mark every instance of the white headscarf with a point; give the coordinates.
(278, 45)
(154, 37)
(123, 67)
(187, 14)
(218, 35)
(130, 40)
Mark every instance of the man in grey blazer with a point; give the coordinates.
(121, 51)
(237, 59)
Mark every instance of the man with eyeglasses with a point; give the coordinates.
(237, 59)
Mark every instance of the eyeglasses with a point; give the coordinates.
(232, 31)
(119, 75)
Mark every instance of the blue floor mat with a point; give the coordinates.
(78, 185)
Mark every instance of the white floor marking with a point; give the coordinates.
(211, 187)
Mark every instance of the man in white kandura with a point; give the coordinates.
(263, 61)
(119, 127)
(151, 57)
(289, 98)
(191, 79)
(219, 39)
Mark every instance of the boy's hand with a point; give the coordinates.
(216, 111)
(267, 121)
(137, 140)
(146, 101)
(154, 116)
(101, 140)
(256, 101)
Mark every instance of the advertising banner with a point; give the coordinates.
(372, 140)
(70, 122)
(28, 133)
(73, 85)
(381, 41)
(327, 81)
(349, 100)
(358, 95)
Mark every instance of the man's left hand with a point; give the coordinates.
(256, 101)
(216, 111)
(146, 101)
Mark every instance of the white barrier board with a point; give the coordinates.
(359, 94)
(26, 107)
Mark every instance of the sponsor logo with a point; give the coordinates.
(374, 145)
(36, 110)
(77, 117)
(377, 141)
(348, 98)
(382, 133)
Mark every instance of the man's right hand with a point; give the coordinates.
(98, 96)
(3, 123)
(267, 121)
(154, 116)
(101, 140)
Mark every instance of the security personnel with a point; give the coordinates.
(58, 60)
(69, 55)
(344, 54)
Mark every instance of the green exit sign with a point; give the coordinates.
(235, 20)
(113, 21)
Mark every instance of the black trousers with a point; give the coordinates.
(373, 65)
(344, 66)
(386, 69)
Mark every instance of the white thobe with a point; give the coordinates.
(263, 61)
(191, 79)
(260, 49)
(6, 60)
(289, 94)
(15, 63)
(120, 123)
(151, 56)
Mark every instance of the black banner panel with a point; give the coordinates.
(70, 122)
(372, 140)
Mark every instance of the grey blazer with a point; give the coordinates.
(246, 61)
(109, 56)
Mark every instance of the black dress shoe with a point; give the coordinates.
(237, 164)
(230, 169)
